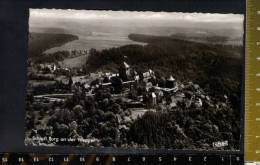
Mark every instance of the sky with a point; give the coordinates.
(133, 15)
(104, 28)
(158, 23)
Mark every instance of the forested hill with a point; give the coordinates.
(216, 68)
(40, 42)
(210, 40)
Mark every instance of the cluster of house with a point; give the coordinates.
(145, 89)
(78, 52)
(53, 68)
(71, 52)
(142, 89)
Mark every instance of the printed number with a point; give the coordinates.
(35, 159)
(51, 159)
(65, 159)
(4, 159)
(113, 159)
(20, 159)
(82, 159)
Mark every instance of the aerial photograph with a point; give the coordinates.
(134, 79)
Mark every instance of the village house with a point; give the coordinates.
(151, 100)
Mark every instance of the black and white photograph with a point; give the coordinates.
(134, 79)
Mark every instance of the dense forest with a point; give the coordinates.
(108, 119)
(217, 68)
(209, 72)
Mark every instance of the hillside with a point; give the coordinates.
(211, 40)
(204, 111)
(39, 42)
(217, 68)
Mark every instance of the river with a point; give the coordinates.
(96, 40)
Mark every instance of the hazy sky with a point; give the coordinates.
(133, 15)
(100, 28)
(134, 21)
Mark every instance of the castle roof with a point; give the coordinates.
(171, 78)
(125, 65)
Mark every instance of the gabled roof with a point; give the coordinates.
(125, 65)
(171, 78)
(153, 95)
